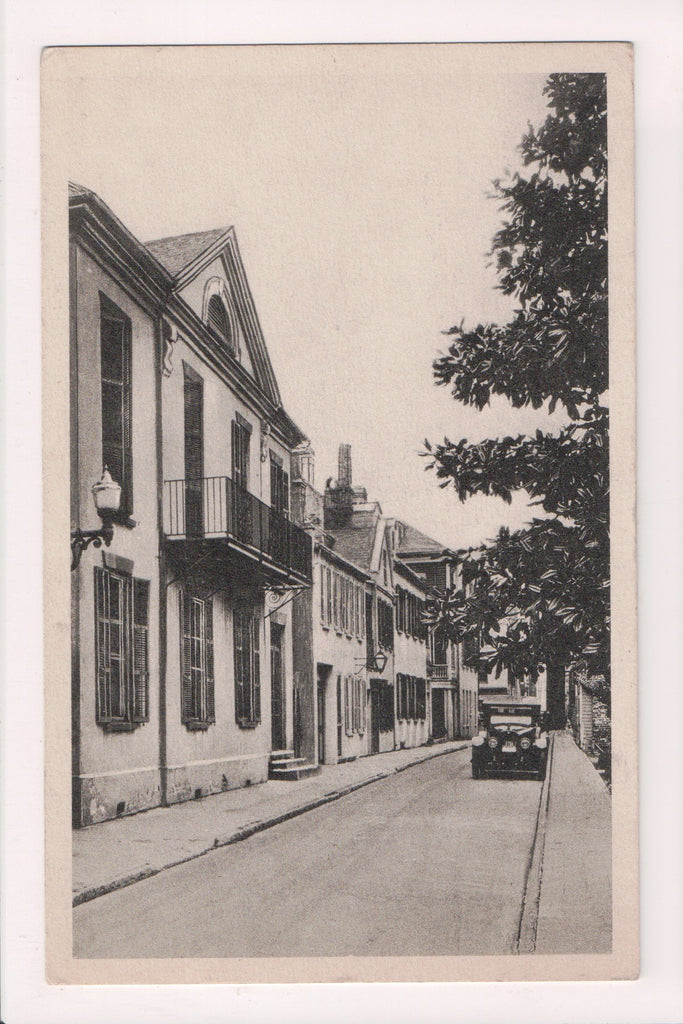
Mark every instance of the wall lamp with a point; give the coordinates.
(106, 494)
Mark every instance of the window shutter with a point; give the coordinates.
(186, 703)
(364, 705)
(140, 704)
(256, 668)
(347, 706)
(238, 637)
(218, 321)
(102, 711)
(209, 685)
(285, 494)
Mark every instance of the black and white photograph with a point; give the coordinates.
(343, 355)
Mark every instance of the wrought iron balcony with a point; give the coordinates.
(216, 509)
(437, 671)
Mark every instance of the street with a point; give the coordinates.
(426, 862)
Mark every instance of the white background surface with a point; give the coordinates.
(657, 29)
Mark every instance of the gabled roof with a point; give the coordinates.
(186, 256)
(414, 541)
(401, 569)
(177, 251)
(355, 544)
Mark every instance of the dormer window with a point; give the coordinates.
(219, 321)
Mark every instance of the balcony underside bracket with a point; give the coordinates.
(277, 597)
(188, 571)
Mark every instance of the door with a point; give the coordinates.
(340, 718)
(321, 722)
(438, 713)
(277, 692)
(193, 393)
(375, 700)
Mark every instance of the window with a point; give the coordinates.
(122, 649)
(241, 441)
(219, 323)
(400, 696)
(354, 705)
(193, 426)
(197, 702)
(246, 627)
(385, 625)
(324, 591)
(411, 698)
(115, 365)
(279, 486)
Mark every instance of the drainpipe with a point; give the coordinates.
(163, 595)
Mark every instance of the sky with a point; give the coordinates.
(358, 181)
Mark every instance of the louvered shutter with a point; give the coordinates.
(399, 695)
(238, 637)
(115, 362)
(186, 703)
(256, 668)
(209, 684)
(140, 695)
(285, 494)
(102, 711)
(347, 707)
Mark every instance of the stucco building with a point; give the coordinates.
(181, 627)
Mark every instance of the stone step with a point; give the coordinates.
(286, 762)
(275, 754)
(294, 773)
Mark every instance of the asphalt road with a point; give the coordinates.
(427, 862)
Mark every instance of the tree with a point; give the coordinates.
(539, 597)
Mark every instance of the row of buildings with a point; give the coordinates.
(239, 621)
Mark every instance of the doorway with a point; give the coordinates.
(438, 714)
(277, 693)
(321, 722)
(375, 703)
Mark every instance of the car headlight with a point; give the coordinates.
(525, 743)
(493, 742)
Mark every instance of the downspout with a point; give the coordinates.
(163, 596)
(76, 816)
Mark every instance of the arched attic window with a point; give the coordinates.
(219, 321)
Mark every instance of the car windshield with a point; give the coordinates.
(525, 720)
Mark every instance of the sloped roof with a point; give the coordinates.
(177, 251)
(78, 191)
(413, 540)
(355, 544)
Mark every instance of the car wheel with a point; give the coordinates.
(476, 771)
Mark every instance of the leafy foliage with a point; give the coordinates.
(540, 596)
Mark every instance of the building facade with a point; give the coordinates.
(181, 627)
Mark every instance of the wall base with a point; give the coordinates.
(193, 781)
(103, 797)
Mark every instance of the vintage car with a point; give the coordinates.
(512, 738)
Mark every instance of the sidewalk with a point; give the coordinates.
(575, 907)
(113, 854)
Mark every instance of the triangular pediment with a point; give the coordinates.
(210, 278)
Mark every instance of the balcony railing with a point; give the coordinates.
(437, 671)
(215, 507)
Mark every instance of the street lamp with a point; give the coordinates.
(106, 494)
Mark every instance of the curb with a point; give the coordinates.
(86, 895)
(528, 920)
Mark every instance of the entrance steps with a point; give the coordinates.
(286, 767)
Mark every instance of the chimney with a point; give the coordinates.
(339, 493)
(344, 476)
